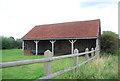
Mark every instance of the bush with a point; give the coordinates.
(18, 43)
(109, 42)
(10, 43)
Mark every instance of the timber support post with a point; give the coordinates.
(36, 45)
(52, 42)
(72, 45)
(23, 47)
(98, 47)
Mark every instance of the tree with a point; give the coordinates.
(109, 42)
(7, 43)
(10, 43)
(18, 43)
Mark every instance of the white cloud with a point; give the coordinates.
(19, 16)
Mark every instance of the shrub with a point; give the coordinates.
(10, 43)
(109, 42)
(18, 43)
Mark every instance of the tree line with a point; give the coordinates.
(10, 43)
(110, 42)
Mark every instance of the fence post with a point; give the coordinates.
(97, 51)
(87, 55)
(76, 57)
(76, 51)
(47, 65)
(92, 54)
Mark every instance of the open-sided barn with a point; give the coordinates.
(62, 38)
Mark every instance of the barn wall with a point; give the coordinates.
(44, 45)
(61, 46)
(29, 45)
(81, 45)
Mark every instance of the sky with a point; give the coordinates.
(17, 17)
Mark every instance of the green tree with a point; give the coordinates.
(109, 42)
(6, 43)
(10, 43)
(18, 43)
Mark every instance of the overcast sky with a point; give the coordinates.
(17, 17)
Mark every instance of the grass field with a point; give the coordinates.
(105, 67)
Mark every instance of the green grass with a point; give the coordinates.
(30, 71)
(16, 55)
(105, 67)
(101, 68)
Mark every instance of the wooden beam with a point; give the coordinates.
(66, 70)
(9, 64)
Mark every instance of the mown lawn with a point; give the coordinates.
(16, 55)
(105, 67)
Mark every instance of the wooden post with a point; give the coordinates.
(92, 54)
(87, 55)
(97, 42)
(72, 45)
(36, 43)
(97, 45)
(76, 51)
(47, 65)
(76, 57)
(52, 42)
(22, 45)
(97, 51)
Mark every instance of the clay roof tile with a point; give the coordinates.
(65, 30)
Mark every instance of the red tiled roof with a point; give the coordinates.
(65, 30)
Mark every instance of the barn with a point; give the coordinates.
(62, 38)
